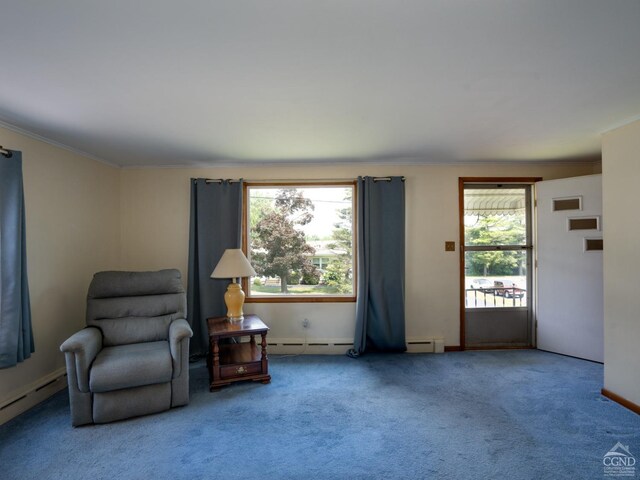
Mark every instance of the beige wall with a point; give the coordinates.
(84, 216)
(73, 230)
(155, 228)
(621, 177)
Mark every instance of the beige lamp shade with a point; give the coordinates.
(233, 264)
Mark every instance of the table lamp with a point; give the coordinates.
(233, 264)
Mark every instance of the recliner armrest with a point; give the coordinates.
(178, 331)
(83, 346)
(85, 341)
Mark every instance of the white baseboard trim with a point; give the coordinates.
(339, 346)
(32, 394)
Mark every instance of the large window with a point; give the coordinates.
(300, 241)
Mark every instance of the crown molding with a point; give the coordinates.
(388, 161)
(621, 124)
(595, 160)
(54, 143)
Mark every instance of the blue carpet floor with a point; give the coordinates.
(477, 415)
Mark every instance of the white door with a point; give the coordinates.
(569, 275)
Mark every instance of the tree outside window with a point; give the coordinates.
(300, 241)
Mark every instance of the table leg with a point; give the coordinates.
(215, 364)
(265, 359)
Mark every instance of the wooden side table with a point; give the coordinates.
(234, 362)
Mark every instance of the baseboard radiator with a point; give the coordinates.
(316, 346)
(32, 394)
(425, 345)
(339, 346)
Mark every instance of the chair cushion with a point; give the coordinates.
(130, 284)
(135, 307)
(133, 365)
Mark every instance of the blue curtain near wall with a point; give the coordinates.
(381, 244)
(215, 225)
(16, 337)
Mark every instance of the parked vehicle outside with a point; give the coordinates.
(507, 291)
(482, 284)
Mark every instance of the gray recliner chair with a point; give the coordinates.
(133, 357)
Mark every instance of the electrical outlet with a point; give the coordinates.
(305, 323)
(449, 246)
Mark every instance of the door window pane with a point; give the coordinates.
(495, 216)
(495, 221)
(496, 279)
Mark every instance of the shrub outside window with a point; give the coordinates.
(300, 240)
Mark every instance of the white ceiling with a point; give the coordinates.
(207, 82)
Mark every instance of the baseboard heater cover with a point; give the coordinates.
(339, 346)
(425, 345)
(33, 394)
(320, 346)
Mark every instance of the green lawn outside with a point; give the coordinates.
(295, 290)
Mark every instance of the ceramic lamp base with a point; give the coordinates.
(234, 298)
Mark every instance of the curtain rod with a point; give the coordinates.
(289, 180)
(385, 179)
(5, 152)
(217, 180)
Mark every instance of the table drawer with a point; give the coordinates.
(230, 371)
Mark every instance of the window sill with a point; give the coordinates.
(300, 299)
